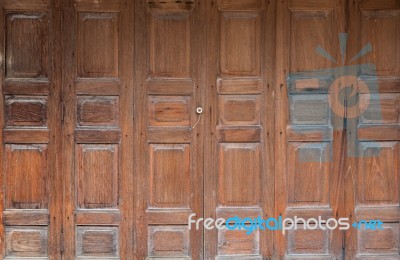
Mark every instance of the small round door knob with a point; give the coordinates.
(199, 110)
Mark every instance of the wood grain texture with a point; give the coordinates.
(303, 120)
(230, 5)
(31, 129)
(169, 82)
(377, 134)
(105, 157)
(98, 129)
(240, 64)
(26, 218)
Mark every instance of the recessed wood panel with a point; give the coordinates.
(308, 30)
(309, 110)
(233, 5)
(26, 166)
(98, 111)
(239, 173)
(26, 242)
(171, 5)
(239, 110)
(25, 111)
(27, 45)
(380, 29)
(380, 108)
(169, 110)
(97, 175)
(97, 45)
(237, 242)
(168, 241)
(379, 173)
(240, 44)
(170, 46)
(169, 176)
(308, 242)
(308, 173)
(98, 242)
(311, 5)
(98, 5)
(385, 241)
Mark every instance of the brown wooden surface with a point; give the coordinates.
(98, 129)
(104, 156)
(372, 178)
(31, 177)
(169, 75)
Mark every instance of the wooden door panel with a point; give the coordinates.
(310, 132)
(30, 205)
(27, 35)
(375, 134)
(238, 172)
(98, 129)
(169, 80)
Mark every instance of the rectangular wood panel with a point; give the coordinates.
(97, 242)
(27, 45)
(309, 30)
(97, 176)
(98, 111)
(169, 180)
(309, 242)
(237, 242)
(23, 111)
(378, 173)
(168, 241)
(26, 165)
(26, 242)
(239, 110)
(97, 45)
(240, 37)
(239, 172)
(308, 173)
(169, 110)
(170, 46)
(385, 54)
(309, 109)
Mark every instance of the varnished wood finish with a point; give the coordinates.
(239, 155)
(104, 156)
(372, 177)
(98, 129)
(31, 178)
(310, 138)
(169, 85)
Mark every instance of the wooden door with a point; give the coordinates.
(372, 170)
(169, 86)
(239, 179)
(309, 125)
(105, 157)
(30, 179)
(98, 127)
